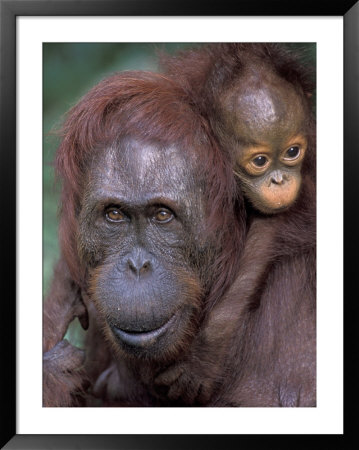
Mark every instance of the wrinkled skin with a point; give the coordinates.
(141, 228)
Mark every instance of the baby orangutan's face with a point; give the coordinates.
(264, 125)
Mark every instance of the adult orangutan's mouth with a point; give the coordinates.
(142, 338)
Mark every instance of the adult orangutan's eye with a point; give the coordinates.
(163, 216)
(115, 215)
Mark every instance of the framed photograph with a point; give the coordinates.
(52, 54)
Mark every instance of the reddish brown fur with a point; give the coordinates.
(62, 362)
(281, 265)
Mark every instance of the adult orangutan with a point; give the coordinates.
(148, 234)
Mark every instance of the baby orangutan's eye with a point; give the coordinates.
(292, 152)
(260, 161)
(257, 165)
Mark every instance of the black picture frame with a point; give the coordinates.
(9, 10)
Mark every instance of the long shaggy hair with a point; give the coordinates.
(151, 107)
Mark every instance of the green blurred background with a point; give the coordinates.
(69, 71)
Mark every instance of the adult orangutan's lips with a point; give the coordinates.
(142, 338)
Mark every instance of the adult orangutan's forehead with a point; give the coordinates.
(133, 167)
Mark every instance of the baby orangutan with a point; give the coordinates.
(257, 98)
(264, 125)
